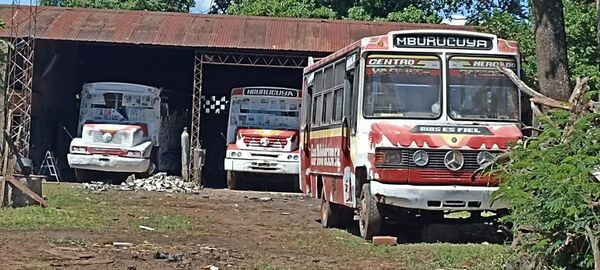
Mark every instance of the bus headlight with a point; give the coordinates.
(78, 150)
(388, 157)
(420, 158)
(484, 157)
(133, 154)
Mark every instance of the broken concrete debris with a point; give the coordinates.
(146, 228)
(168, 256)
(159, 182)
(96, 186)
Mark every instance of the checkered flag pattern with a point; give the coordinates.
(213, 105)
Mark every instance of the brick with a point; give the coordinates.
(384, 240)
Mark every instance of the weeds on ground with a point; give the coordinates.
(72, 207)
(414, 256)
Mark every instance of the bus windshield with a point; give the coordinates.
(401, 86)
(263, 112)
(478, 91)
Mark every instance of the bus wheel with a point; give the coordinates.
(232, 180)
(330, 213)
(370, 216)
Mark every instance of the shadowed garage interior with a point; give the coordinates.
(169, 50)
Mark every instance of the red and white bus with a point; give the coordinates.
(262, 135)
(396, 125)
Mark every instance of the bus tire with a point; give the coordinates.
(232, 180)
(370, 215)
(330, 213)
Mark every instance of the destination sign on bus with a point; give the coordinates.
(452, 130)
(442, 41)
(270, 92)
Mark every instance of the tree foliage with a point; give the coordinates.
(550, 190)
(281, 8)
(151, 5)
(418, 11)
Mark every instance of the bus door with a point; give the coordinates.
(349, 124)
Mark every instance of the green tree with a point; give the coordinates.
(412, 14)
(281, 8)
(219, 6)
(417, 11)
(358, 13)
(151, 5)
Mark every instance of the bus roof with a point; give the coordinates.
(118, 87)
(387, 42)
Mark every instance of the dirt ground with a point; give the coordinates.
(232, 230)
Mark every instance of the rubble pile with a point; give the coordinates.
(97, 186)
(160, 182)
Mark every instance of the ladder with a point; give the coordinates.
(49, 163)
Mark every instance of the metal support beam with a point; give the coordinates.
(254, 60)
(195, 142)
(226, 58)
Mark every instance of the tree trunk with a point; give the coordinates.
(551, 49)
(598, 30)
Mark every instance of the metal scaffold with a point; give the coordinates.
(19, 84)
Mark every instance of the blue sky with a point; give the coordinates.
(202, 6)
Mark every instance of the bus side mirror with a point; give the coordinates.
(305, 137)
(345, 134)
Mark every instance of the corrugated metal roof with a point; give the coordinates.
(202, 31)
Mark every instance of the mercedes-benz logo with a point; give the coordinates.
(107, 137)
(264, 141)
(420, 158)
(454, 160)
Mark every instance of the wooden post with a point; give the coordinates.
(5, 158)
(9, 172)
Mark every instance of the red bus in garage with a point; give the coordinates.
(396, 126)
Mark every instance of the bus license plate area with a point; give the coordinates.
(264, 166)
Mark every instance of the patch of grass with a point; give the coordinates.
(414, 256)
(72, 207)
(69, 241)
(163, 223)
(35, 218)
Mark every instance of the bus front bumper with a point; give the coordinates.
(262, 166)
(108, 163)
(470, 198)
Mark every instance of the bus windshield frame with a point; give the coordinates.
(412, 65)
(254, 112)
(485, 88)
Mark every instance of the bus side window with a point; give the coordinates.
(351, 98)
